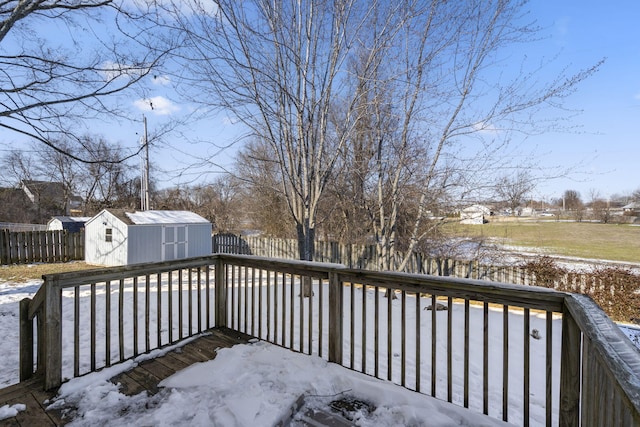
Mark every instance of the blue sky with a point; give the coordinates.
(606, 146)
(603, 151)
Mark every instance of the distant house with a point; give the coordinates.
(118, 237)
(72, 224)
(48, 196)
(632, 209)
(475, 214)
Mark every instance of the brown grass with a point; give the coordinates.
(578, 239)
(20, 273)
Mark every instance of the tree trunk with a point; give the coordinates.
(306, 252)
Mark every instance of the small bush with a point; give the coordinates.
(615, 289)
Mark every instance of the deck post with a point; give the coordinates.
(52, 334)
(570, 357)
(221, 293)
(26, 341)
(335, 318)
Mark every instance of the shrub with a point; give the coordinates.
(615, 289)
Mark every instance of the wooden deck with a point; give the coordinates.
(145, 376)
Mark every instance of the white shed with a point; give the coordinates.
(475, 214)
(118, 237)
(73, 224)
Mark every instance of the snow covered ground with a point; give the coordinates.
(257, 384)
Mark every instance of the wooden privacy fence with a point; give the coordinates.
(526, 355)
(40, 246)
(365, 257)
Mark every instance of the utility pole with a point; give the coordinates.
(144, 182)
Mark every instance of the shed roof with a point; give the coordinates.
(157, 217)
(64, 219)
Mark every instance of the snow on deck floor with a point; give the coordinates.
(256, 385)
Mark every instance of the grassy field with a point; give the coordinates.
(24, 272)
(575, 239)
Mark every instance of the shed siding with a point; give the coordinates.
(54, 224)
(97, 249)
(145, 244)
(199, 240)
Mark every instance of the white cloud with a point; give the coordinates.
(158, 105)
(485, 127)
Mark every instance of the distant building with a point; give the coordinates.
(632, 209)
(475, 214)
(72, 224)
(50, 196)
(119, 237)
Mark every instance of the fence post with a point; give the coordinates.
(52, 333)
(26, 341)
(221, 293)
(569, 411)
(335, 318)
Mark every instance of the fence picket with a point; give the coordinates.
(20, 247)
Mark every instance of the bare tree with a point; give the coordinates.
(441, 86)
(276, 67)
(406, 97)
(50, 85)
(514, 189)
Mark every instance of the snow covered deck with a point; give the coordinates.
(525, 355)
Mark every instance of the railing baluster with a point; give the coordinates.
(260, 304)
(121, 320)
(434, 339)
(466, 353)
(291, 310)
(253, 301)
(93, 327)
(207, 279)
(390, 295)
(246, 300)
(549, 362)
(527, 370)
(147, 302)
(107, 323)
(234, 323)
(364, 329)
(180, 307)
(320, 317)
(352, 322)
(170, 305)
(376, 333)
(418, 327)
(284, 308)
(76, 331)
(449, 349)
(310, 317)
(485, 358)
(301, 314)
(190, 302)
(403, 339)
(275, 307)
(135, 316)
(505, 363)
(159, 310)
(199, 297)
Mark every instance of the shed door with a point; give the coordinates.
(174, 243)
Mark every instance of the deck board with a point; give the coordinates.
(144, 377)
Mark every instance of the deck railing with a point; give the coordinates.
(526, 355)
